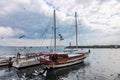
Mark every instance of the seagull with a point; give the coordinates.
(61, 38)
(24, 77)
(45, 73)
(36, 73)
(41, 72)
(21, 36)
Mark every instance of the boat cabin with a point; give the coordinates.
(53, 57)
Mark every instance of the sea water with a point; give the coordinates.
(101, 64)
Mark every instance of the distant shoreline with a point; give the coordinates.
(86, 46)
(96, 46)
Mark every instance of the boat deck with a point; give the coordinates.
(26, 63)
(71, 55)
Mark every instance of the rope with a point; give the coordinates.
(51, 39)
(43, 35)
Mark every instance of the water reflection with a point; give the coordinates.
(62, 73)
(28, 73)
(53, 74)
(7, 74)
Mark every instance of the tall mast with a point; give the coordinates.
(54, 31)
(76, 29)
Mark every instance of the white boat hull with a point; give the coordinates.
(4, 64)
(23, 64)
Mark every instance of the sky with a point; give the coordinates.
(98, 22)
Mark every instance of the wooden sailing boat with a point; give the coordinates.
(62, 59)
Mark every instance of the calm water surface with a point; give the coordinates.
(102, 64)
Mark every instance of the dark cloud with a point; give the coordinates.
(34, 23)
(29, 22)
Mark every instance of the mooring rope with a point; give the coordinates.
(55, 70)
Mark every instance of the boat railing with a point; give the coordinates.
(27, 57)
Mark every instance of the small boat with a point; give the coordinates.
(26, 60)
(5, 60)
(56, 59)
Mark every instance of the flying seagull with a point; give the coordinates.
(21, 36)
(61, 38)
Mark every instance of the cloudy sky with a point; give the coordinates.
(98, 22)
